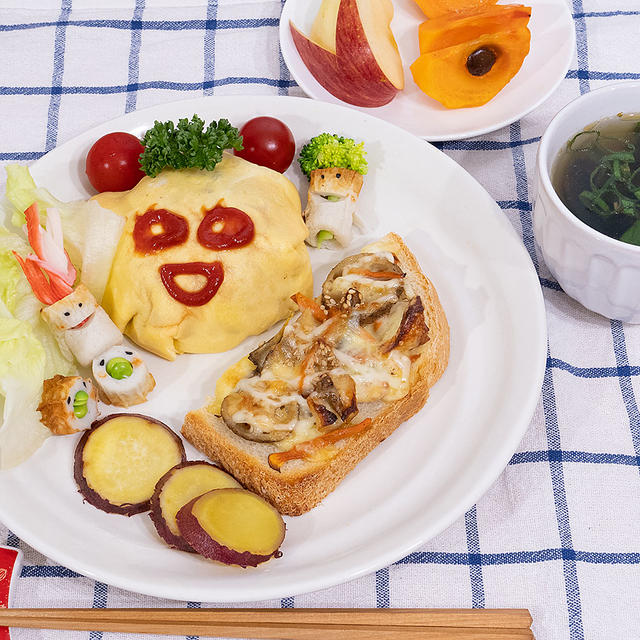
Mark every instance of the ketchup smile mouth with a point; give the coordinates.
(81, 324)
(212, 271)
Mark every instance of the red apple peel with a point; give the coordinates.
(352, 74)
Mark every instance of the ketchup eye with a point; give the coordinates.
(225, 228)
(159, 229)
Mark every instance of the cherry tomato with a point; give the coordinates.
(113, 162)
(268, 142)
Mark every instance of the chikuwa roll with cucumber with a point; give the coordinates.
(122, 377)
(68, 404)
(331, 207)
(335, 166)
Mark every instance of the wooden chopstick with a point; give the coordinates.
(500, 618)
(287, 624)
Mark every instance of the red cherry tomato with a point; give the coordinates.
(268, 142)
(113, 162)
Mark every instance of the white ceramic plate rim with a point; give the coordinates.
(415, 532)
(313, 88)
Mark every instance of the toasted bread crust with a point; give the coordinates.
(297, 490)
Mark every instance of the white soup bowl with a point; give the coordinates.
(600, 272)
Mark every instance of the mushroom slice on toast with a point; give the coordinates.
(262, 411)
(333, 399)
(331, 206)
(372, 283)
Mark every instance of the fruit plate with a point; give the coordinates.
(552, 49)
(414, 484)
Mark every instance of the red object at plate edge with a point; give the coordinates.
(10, 563)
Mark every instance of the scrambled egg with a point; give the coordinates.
(259, 277)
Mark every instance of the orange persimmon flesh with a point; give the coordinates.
(443, 74)
(450, 30)
(305, 450)
(436, 8)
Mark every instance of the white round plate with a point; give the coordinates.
(552, 49)
(414, 484)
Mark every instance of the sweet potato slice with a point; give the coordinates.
(118, 462)
(232, 526)
(180, 485)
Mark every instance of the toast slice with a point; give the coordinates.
(302, 483)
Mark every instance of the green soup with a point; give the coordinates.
(597, 176)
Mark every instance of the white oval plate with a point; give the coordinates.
(552, 49)
(418, 481)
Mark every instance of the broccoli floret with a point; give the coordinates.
(330, 150)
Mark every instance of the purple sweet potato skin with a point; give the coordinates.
(93, 497)
(177, 542)
(158, 520)
(206, 546)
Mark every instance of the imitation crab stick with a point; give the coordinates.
(49, 271)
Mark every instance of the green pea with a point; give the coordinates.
(119, 368)
(80, 407)
(333, 198)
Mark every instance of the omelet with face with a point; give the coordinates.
(206, 258)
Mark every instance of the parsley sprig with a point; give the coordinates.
(188, 145)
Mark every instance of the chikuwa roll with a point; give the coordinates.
(68, 404)
(82, 325)
(122, 377)
(331, 206)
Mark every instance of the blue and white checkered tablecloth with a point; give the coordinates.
(559, 531)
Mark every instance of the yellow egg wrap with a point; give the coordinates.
(259, 278)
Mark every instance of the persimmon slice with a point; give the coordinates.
(119, 461)
(180, 485)
(444, 76)
(450, 30)
(436, 8)
(232, 526)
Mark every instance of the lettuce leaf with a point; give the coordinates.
(29, 354)
(22, 366)
(17, 297)
(22, 192)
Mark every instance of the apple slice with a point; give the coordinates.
(323, 65)
(363, 31)
(365, 69)
(323, 31)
